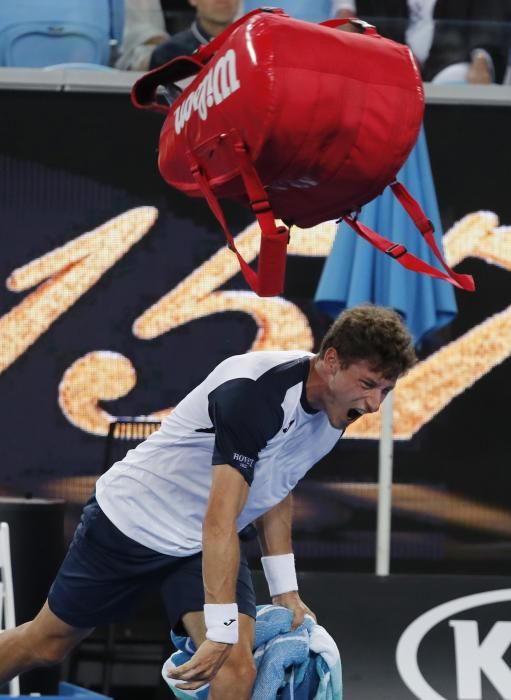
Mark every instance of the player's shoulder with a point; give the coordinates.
(259, 383)
(265, 364)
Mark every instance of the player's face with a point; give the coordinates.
(351, 392)
(220, 12)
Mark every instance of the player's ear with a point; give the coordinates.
(331, 360)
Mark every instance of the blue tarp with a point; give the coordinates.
(355, 272)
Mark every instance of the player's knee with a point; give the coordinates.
(51, 652)
(44, 649)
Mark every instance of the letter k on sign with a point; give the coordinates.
(474, 657)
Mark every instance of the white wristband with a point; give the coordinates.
(221, 622)
(280, 573)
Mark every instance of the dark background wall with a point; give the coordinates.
(70, 162)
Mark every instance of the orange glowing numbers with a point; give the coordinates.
(65, 274)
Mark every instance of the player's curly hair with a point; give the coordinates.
(373, 333)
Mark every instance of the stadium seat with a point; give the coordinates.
(36, 34)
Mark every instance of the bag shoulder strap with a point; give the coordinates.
(362, 26)
(270, 275)
(400, 253)
(143, 93)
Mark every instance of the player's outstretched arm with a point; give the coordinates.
(220, 564)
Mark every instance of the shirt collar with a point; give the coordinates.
(303, 399)
(200, 33)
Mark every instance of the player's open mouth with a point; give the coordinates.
(353, 414)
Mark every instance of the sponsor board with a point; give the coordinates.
(417, 637)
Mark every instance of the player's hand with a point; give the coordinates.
(203, 666)
(293, 602)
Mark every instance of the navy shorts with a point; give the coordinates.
(105, 573)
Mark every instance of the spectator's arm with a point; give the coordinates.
(144, 29)
(481, 69)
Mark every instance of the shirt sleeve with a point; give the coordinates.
(245, 419)
(144, 21)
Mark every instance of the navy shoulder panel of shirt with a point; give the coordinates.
(247, 413)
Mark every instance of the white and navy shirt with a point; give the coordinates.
(251, 412)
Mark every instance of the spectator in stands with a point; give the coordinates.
(147, 43)
(464, 38)
(470, 33)
(310, 10)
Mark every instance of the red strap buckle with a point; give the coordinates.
(259, 206)
(396, 250)
(425, 226)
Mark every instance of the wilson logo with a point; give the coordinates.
(218, 84)
(474, 657)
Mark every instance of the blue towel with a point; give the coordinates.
(281, 654)
(303, 664)
(185, 649)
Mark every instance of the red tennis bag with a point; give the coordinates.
(300, 121)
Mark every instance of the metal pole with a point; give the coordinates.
(383, 528)
(9, 620)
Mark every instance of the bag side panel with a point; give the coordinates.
(350, 129)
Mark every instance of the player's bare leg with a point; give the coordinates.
(44, 641)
